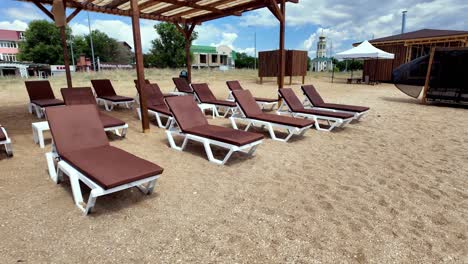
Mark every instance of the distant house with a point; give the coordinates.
(211, 57)
(9, 44)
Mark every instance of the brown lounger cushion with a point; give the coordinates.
(317, 101)
(38, 90)
(47, 102)
(235, 86)
(251, 110)
(109, 166)
(192, 121)
(186, 112)
(296, 106)
(110, 121)
(84, 96)
(105, 90)
(80, 140)
(116, 98)
(206, 96)
(182, 85)
(2, 136)
(163, 109)
(224, 134)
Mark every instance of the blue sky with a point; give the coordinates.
(342, 22)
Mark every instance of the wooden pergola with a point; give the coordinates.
(184, 14)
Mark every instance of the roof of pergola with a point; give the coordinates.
(176, 11)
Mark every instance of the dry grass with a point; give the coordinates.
(392, 188)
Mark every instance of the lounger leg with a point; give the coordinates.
(252, 150)
(233, 122)
(30, 110)
(149, 188)
(105, 106)
(158, 120)
(9, 149)
(53, 172)
(124, 132)
(76, 190)
(211, 158)
(172, 143)
(38, 111)
(91, 202)
(139, 113)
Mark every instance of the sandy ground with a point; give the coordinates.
(392, 188)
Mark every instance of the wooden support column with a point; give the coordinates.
(428, 76)
(187, 33)
(282, 52)
(66, 58)
(139, 64)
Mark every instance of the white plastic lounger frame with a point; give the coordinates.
(248, 149)
(253, 122)
(109, 105)
(332, 122)
(116, 129)
(7, 143)
(32, 107)
(308, 104)
(219, 108)
(262, 104)
(158, 116)
(63, 167)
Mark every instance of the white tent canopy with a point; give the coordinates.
(364, 51)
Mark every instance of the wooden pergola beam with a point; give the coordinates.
(73, 14)
(116, 3)
(194, 5)
(43, 9)
(106, 10)
(248, 6)
(275, 10)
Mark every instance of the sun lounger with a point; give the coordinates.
(40, 96)
(295, 108)
(137, 98)
(182, 87)
(263, 102)
(250, 112)
(84, 95)
(191, 124)
(82, 152)
(205, 96)
(313, 99)
(105, 94)
(156, 105)
(5, 141)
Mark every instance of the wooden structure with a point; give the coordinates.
(185, 14)
(409, 46)
(295, 64)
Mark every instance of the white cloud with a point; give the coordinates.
(119, 30)
(25, 11)
(352, 21)
(15, 25)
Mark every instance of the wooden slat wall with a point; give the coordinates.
(296, 63)
(385, 67)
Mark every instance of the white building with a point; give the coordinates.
(322, 62)
(209, 56)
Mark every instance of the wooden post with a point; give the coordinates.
(428, 76)
(187, 33)
(303, 79)
(66, 58)
(282, 62)
(290, 80)
(139, 64)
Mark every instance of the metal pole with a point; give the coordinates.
(255, 50)
(71, 49)
(91, 42)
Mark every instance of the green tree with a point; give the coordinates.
(243, 60)
(43, 43)
(168, 51)
(350, 65)
(105, 47)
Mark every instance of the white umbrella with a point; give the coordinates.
(365, 51)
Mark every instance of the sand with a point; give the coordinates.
(391, 188)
